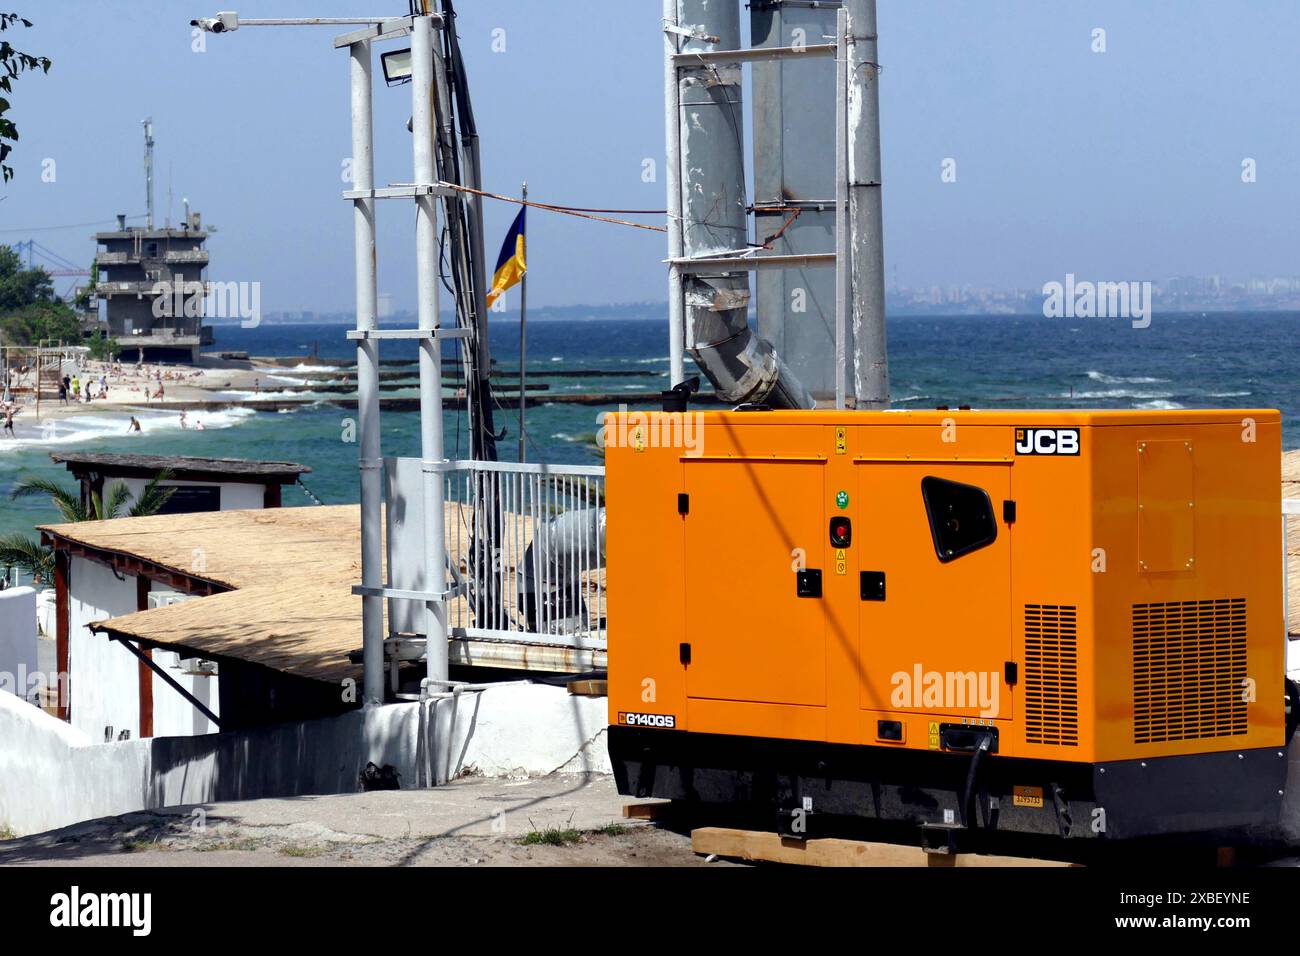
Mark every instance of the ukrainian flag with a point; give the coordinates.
(510, 263)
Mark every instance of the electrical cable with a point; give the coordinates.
(576, 211)
(71, 225)
(967, 803)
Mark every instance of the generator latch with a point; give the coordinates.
(808, 584)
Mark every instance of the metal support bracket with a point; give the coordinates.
(405, 191)
(754, 55)
(740, 263)
(402, 594)
(390, 29)
(360, 335)
(691, 34)
(171, 681)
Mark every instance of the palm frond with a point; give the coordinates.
(118, 495)
(28, 555)
(154, 496)
(68, 502)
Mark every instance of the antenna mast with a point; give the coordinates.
(148, 171)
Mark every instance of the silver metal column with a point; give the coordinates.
(843, 264)
(426, 265)
(741, 366)
(871, 373)
(673, 179)
(372, 491)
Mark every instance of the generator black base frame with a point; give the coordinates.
(1210, 793)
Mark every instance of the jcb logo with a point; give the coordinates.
(1047, 441)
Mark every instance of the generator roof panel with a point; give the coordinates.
(997, 417)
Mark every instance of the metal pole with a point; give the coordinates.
(672, 176)
(523, 350)
(714, 220)
(447, 141)
(871, 365)
(148, 172)
(843, 266)
(371, 460)
(426, 265)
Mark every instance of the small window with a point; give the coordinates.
(961, 517)
(187, 499)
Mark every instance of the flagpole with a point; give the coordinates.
(523, 312)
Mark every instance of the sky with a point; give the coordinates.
(1119, 165)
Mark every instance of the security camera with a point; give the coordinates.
(224, 22)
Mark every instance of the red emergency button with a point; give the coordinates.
(841, 532)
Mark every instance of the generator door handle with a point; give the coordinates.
(808, 584)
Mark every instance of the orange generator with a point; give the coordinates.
(1056, 622)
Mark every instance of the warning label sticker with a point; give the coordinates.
(1027, 796)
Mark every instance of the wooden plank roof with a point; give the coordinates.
(289, 574)
(280, 584)
(183, 467)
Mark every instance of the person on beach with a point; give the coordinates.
(134, 426)
(159, 394)
(9, 412)
(63, 392)
(76, 389)
(183, 425)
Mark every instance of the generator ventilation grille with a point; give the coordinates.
(1051, 675)
(1189, 664)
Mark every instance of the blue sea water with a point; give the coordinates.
(1221, 360)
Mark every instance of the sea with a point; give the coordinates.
(1216, 360)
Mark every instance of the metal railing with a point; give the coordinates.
(525, 551)
(526, 542)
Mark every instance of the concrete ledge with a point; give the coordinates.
(52, 775)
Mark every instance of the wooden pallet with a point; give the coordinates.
(589, 688)
(650, 812)
(756, 846)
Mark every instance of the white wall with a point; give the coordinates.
(52, 775)
(46, 617)
(18, 661)
(173, 715)
(235, 495)
(104, 676)
(105, 690)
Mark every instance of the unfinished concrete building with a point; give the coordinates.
(152, 283)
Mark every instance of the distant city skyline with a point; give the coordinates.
(1211, 293)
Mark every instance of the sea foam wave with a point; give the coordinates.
(1124, 379)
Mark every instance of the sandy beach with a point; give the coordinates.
(206, 394)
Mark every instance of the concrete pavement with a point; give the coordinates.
(556, 820)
